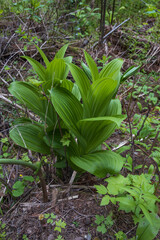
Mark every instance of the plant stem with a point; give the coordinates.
(43, 185)
(60, 129)
(18, 162)
(34, 168)
(113, 8)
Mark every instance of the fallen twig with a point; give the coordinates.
(17, 106)
(114, 29)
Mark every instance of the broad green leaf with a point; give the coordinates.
(81, 80)
(101, 189)
(114, 108)
(126, 203)
(18, 189)
(45, 59)
(28, 178)
(102, 228)
(92, 65)
(130, 71)
(35, 82)
(105, 200)
(54, 73)
(86, 70)
(27, 94)
(30, 96)
(150, 196)
(99, 219)
(67, 84)
(146, 213)
(76, 92)
(99, 163)
(67, 61)
(73, 149)
(99, 96)
(116, 184)
(30, 137)
(52, 140)
(61, 52)
(112, 70)
(67, 107)
(134, 191)
(38, 68)
(98, 129)
(147, 231)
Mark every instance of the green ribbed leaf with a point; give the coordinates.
(99, 96)
(61, 52)
(67, 84)
(29, 136)
(96, 130)
(81, 80)
(114, 108)
(54, 73)
(56, 69)
(99, 163)
(130, 71)
(146, 213)
(86, 70)
(112, 70)
(45, 59)
(76, 92)
(147, 231)
(29, 95)
(38, 68)
(92, 65)
(67, 107)
(52, 139)
(67, 61)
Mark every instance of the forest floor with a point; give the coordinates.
(77, 206)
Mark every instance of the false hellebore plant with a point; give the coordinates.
(71, 118)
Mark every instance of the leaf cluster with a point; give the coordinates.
(134, 193)
(71, 118)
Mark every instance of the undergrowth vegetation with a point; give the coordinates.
(80, 102)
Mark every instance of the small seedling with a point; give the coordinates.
(25, 237)
(76, 224)
(104, 223)
(120, 236)
(2, 230)
(50, 217)
(59, 225)
(59, 237)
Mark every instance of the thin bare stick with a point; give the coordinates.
(72, 177)
(17, 106)
(115, 29)
(72, 186)
(4, 81)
